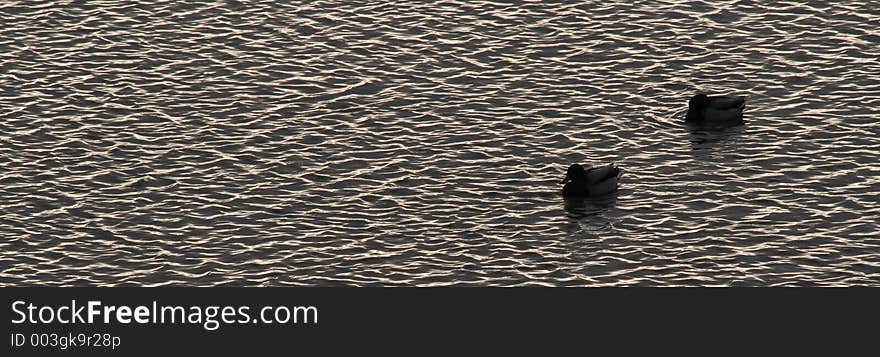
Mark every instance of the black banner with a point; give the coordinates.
(149, 321)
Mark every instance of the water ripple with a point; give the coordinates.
(383, 143)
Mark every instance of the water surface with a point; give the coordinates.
(379, 143)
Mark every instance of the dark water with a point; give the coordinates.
(368, 143)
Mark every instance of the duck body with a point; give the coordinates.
(595, 181)
(715, 109)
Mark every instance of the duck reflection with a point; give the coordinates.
(704, 137)
(583, 207)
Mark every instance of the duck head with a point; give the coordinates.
(695, 107)
(575, 172)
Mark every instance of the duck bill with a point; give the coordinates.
(567, 179)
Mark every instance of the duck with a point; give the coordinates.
(715, 109)
(595, 181)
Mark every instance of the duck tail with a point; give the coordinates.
(740, 102)
(613, 171)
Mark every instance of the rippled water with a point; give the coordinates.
(384, 143)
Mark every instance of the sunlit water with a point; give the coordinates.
(358, 143)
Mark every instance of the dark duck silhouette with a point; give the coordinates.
(595, 181)
(715, 109)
